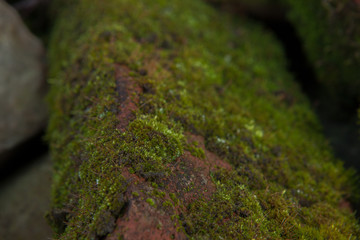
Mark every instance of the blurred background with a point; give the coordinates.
(25, 165)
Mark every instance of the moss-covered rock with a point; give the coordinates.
(170, 117)
(331, 35)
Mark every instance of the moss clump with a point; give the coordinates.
(135, 194)
(149, 144)
(151, 202)
(201, 73)
(195, 150)
(174, 198)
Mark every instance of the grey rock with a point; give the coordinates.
(24, 200)
(22, 82)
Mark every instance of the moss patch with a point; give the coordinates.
(202, 73)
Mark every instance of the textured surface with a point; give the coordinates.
(170, 116)
(330, 34)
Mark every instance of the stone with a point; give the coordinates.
(133, 163)
(22, 83)
(24, 200)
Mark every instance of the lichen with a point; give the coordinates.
(202, 73)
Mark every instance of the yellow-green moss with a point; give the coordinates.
(151, 202)
(195, 150)
(208, 75)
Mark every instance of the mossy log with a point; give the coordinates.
(172, 121)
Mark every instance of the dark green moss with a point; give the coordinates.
(135, 194)
(331, 39)
(330, 34)
(168, 204)
(174, 198)
(205, 74)
(195, 150)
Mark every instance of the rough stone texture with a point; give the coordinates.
(24, 201)
(22, 84)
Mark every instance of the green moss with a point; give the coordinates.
(174, 198)
(195, 150)
(331, 36)
(168, 204)
(135, 194)
(208, 75)
(158, 193)
(151, 202)
(149, 144)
